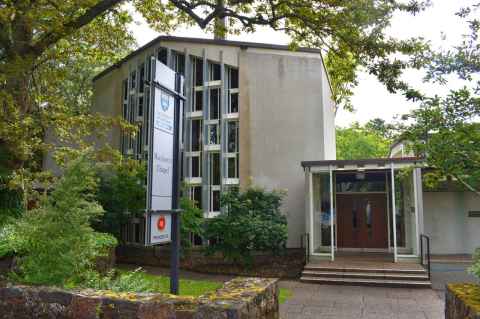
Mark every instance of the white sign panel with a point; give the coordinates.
(160, 228)
(165, 76)
(162, 159)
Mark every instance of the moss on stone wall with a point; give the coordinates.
(468, 293)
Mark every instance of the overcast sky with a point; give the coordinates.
(371, 99)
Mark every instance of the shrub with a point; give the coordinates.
(475, 268)
(191, 221)
(251, 221)
(121, 193)
(54, 243)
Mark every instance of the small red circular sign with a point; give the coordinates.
(161, 223)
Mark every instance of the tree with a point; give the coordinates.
(445, 129)
(362, 142)
(32, 33)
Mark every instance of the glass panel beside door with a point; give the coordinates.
(322, 228)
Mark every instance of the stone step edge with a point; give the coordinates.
(367, 282)
(365, 275)
(366, 270)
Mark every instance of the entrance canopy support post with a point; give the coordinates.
(394, 212)
(332, 237)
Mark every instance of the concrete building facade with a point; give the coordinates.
(253, 112)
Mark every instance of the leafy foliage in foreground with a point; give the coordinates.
(251, 221)
(475, 268)
(54, 243)
(140, 281)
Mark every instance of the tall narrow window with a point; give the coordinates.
(214, 72)
(214, 104)
(140, 107)
(233, 105)
(215, 168)
(232, 141)
(196, 135)
(141, 84)
(233, 78)
(196, 166)
(133, 80)
(198, 74)
(198, 101)
(162, 55)
(213, 134)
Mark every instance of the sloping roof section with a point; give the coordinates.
(239, 44)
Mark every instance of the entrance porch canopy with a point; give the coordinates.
(377, 206)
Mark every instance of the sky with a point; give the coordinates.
(370, 99)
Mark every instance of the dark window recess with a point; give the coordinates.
(215, 72)
(149, 69)
(215, 169)
(131, 111)
(232, 167)
(179, 60)
(368, 214)
(141, 84)
(197, 240)
(133, 80)
(198, 101)
(140, 106)
(162, 55)
(125, 89)
(474, 214)
(147, 121)
(354, 216)
(234, 103)
(216, 201)
(198, 72)
(197, 195)
(214, 104)
(232, 137)
(125, 111)
(196, 135)
(196, 167)
(233, 78)
(213, 138)
(139, 140)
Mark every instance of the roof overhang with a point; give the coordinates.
(363, 164)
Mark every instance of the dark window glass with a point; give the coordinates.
(196, 166)
(214, 104)
(141, 84)
(197, 195)
(125, 89)
(234, 103)
(140, 106)
(133, 80)
(232, 137)
(196, 135)
(198, 101)
(197, 240)
(233, 78)
(216, 201)
(368, 214)
(215, 71)
(354, 215)
(162, 55)
(215, 169)
(198, 72)
(179, 60)
(125, 111)
(139, 140)
(232, 167)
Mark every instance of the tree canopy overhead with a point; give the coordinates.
(46, 45)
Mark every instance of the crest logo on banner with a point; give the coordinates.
(164, 103)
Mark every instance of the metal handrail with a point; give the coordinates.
(305, 243)
(426, 263)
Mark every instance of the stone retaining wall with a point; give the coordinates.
(240, 298)
(288, 265)
(462, 301)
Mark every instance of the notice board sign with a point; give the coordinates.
(162, 181)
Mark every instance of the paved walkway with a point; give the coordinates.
(354, 302)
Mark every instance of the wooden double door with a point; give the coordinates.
(362, 221)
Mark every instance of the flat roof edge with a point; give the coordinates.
(362, 161)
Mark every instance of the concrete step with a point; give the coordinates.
(365, 275)
(367, 282)
(365, 269)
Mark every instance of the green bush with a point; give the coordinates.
(475, 268)
(251, 221)
(121, 193)
(55, 243)
(191, 221)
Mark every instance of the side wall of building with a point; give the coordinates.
(447, 223)
(282, 98)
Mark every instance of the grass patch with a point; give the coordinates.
(284, 295)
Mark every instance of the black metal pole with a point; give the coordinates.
(175, 254)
